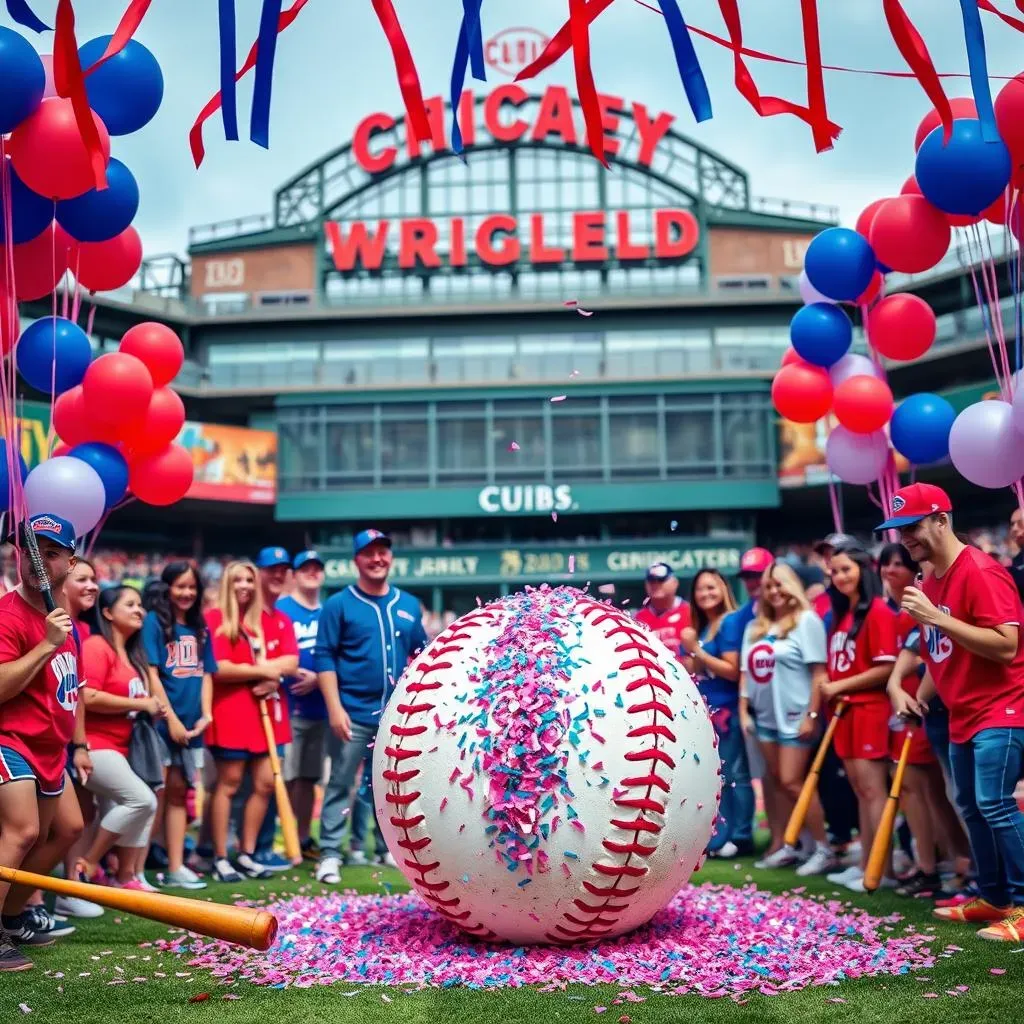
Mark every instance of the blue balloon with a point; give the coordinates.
(5, 475)
(821, 333)
(31, 213)
(109, 464)
(968, 175)
(102, 214)
(22, 80)
(840, 264)
(920, 428)
(127, 90)
(35, 354)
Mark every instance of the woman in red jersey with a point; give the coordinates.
(862, 649)
(242, 634)
(81, 591)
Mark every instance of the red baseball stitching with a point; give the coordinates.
(597, 919)
(400, 770)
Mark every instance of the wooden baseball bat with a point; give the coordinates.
(810, 787)
(883, 837)
(244, 926)
(289, 823)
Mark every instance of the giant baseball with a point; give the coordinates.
(546, 771)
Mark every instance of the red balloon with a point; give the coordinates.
(48, 152)
(802, 392)
(107, 266)
(909, 235)
(790, 356)
(1009, 107)
(69, 417)
(963, 107)
(61, 450)
(872, 291)
(160, 426)
(863, 403)
(158, 347)
(863, 225)
(10, 326)
(163, 478)
(902, 327)
(996, 213)
(956, 220)
(117, 390)
(910, 187)
(40, 264)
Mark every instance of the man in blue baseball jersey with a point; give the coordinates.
(368, 632)
(304, 758)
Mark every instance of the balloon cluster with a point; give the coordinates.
(117, 423)
(60, 220)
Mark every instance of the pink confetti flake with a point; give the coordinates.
(558, 398)
(712, 941)
(571, 303)
(584, 312)
(554, 517)
(572, 564)
(997, 970)
(513, 447)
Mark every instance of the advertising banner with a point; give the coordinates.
(32, 426)
(231, 463)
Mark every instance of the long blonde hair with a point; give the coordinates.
(768, 619)
(232, 622)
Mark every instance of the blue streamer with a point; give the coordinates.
(259, 123)
(470, 47)
(686, 60)
(20, 12)
(977, 61)
(228, 94)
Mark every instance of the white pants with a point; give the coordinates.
(131, 803)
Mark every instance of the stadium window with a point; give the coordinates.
(635, 448)
(462, 448)
(746, 423)
(690, 437)
(404, 452)
(350, 452)
(300, 445)
(576, 444)
(474, 359)
(263, 364)
(556, 357)
(525, 429)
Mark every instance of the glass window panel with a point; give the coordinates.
(300, 439)
(527, 432)
(474, 359)
(689, 436)
(462, 449)
(362, 362)
(745, 437)
(634, 444)
(404, 451)
(576, 443)
(560, 357)
(350, 452)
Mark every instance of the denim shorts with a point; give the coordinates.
(766, 735)
(233, 754)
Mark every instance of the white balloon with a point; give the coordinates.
(853, 365)
(810, 294)
(542, 753)
(68, 488)
(857, 458)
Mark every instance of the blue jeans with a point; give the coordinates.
(362, 813)
(736, 810)
(985, 772)
(339, 793)
(936, 727)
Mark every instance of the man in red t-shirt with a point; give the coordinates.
(664, 613)
(970, 614)
(39, 717)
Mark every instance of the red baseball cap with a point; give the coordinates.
(912, 504)
(755, 561)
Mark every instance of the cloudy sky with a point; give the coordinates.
(333, 67)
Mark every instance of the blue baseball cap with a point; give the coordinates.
(305, 557)
(365, 538)
(268, 558)
(60, 531)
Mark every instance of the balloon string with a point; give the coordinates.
(988, 269)
(9, 319)
(989, 316)
(833, 497)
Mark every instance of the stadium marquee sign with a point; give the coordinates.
(510, 116)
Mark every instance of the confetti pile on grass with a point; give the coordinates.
(712, 940)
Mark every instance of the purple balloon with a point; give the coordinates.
(856, 458)
(69, 488)
(985, 447)
(853, 365)
(809, 293)
(51, 88)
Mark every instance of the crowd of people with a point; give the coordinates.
(124, 704)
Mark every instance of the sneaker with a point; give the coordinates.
(920, 884)
(847, 875)
(974, 911)
(272, 861)
(183, 878)
(726, 851)
(224, 871)
(781, 858)
(819, 863)
(72, 906)
(245, 863)
(388, 861)
(357, 858)
(147, 886)
(328, 871)
(857, 884)
(1010, 929)
(132, 885)
(310, 850)
(45, 923)
(852, 854)
(11, 958)
(19, 929)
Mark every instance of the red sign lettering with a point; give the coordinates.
(512, 50)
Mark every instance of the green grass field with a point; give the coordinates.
(107, 949)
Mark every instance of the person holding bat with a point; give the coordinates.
(970, 615)
(40, 716)
(253, 650)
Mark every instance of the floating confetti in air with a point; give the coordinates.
(713, 941)
(513, 447)
(575, 373)
(558, 398)
(571, 303)
(584, 312)
(674, 525)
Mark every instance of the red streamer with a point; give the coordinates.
(817, 106)
(195, 136)
(70, 83)
(915, 53)
(417, 122)
(579, 28)
(768, 106)
(561, 41)
(123, 34)
(986, 5)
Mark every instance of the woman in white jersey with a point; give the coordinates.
(783, 663)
